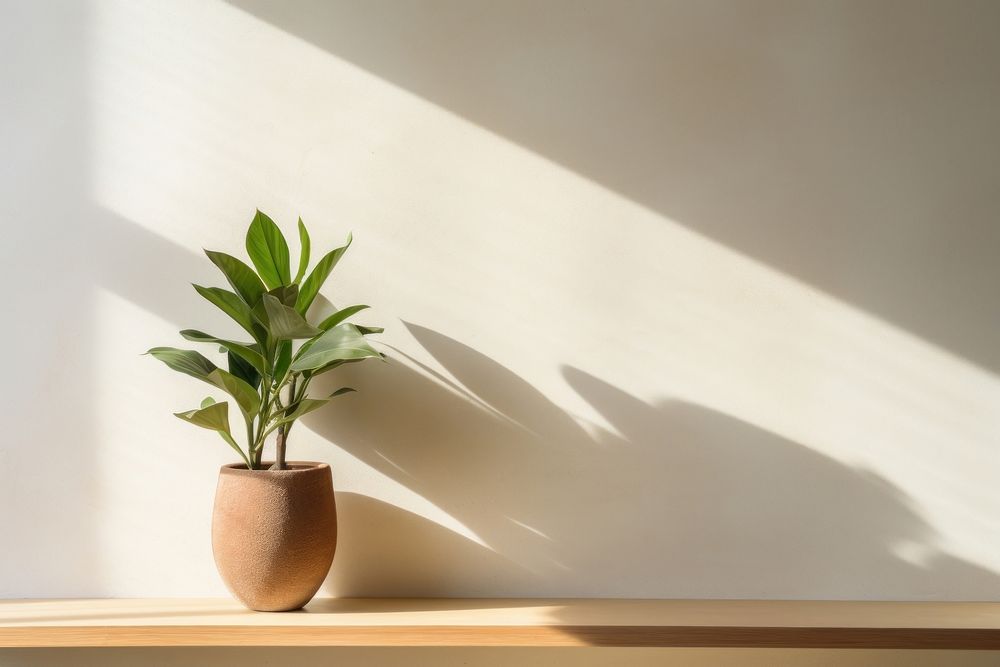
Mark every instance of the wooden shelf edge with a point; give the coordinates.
(528, 622)
(485, 636)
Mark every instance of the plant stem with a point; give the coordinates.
(279, 451)
(251, 457)
(265, 406)
(279, 454)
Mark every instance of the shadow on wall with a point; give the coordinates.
(674, 500)
(850, 144)
(668, 500)
(702, 118)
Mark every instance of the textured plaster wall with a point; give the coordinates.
(683, 299)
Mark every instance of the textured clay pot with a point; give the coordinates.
(274, 533)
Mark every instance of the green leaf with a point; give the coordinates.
(194, 364)
(243, 370)
(340, 316)
(242, 350)
(268, 251)
(326, 368)
(286, 294)
(246, 396)
(306, 345)
(341, 343)
(281, 321)
(246, 283)
(310, 288)
(231, 304)
(188, 362)
(369, 330)
(214, 416)
(284, 359)
(304, 243)
(307, 405)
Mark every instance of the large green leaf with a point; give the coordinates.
(305, 244)
(341, 343)
(188, 362)
(243, 279)
(215, 417)
(310, 288)
(340, 316)
(268, 251)
(231, 304)
(194, 364)
(243, 350)
(246, 396)
(281, 321)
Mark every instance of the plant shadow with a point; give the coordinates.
(668, 499)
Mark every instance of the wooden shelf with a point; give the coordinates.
(503, 622)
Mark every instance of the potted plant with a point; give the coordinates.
(274, 526)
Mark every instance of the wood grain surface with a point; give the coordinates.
(503, 622)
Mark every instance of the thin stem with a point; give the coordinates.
(279, 457)
(251, 461)
(262, 419)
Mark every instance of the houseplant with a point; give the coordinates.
(274, 523)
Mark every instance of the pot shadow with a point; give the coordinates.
(664, 500)
(404, 557)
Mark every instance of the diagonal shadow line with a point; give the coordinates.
(691, 110)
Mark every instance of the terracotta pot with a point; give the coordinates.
(274, 533)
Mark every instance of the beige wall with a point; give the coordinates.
(683, 298)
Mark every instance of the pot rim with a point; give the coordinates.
(295, 468)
